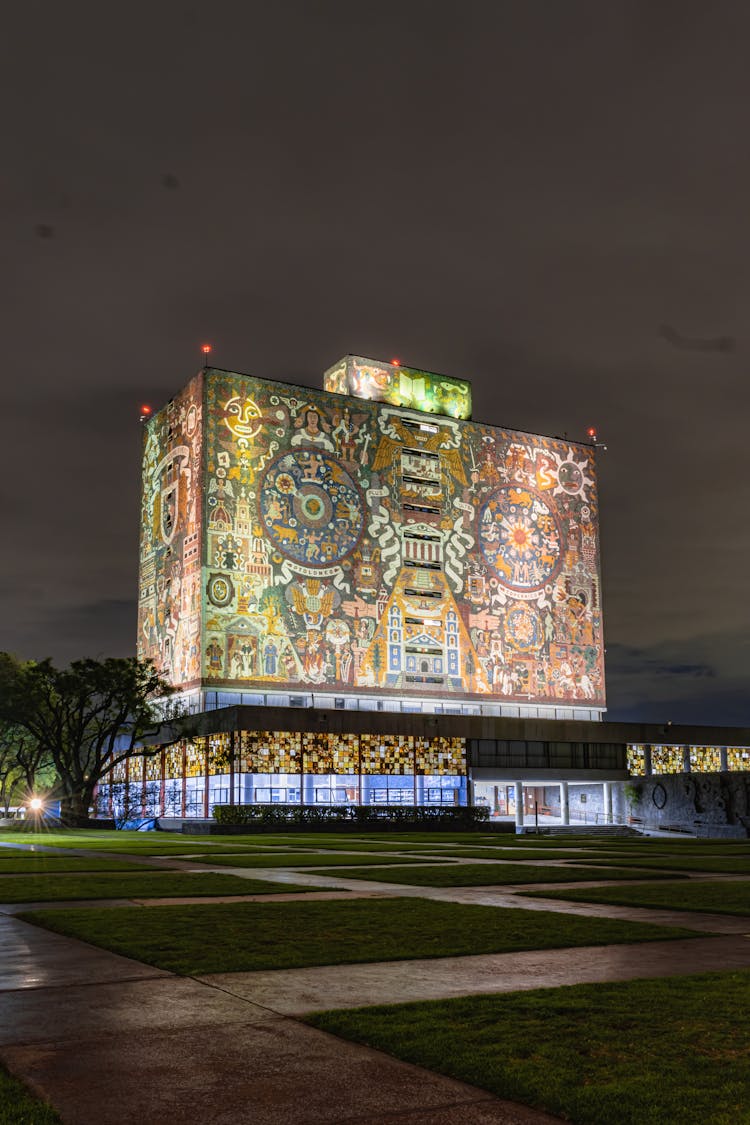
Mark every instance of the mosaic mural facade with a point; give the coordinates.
(347, 544)
(169, 603)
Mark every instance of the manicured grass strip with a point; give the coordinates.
(53, 865)
(18, 1106)
(726, 897)
(301, 859)
(486, 874)
(513, 854)
(150, 884)
(644, 1052)
(444, 851)
(733, 866)
(136, 842)
(243, 936)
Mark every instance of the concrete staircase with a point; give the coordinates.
(578, 830)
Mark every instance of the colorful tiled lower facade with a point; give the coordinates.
(192, 777)
(659, 760)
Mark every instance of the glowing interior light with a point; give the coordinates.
(35, 804)
(397, 385)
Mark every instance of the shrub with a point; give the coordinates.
(359, 818)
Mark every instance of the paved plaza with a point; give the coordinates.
(108, 1040)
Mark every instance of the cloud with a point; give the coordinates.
(699, 679)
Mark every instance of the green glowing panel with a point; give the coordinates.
(399, 386)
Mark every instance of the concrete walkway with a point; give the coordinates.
(301, 991)
(109, 1041)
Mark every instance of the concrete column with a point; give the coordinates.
(724, 764)
(686, 759)
(647, 761)
(518, 790)
(564, 803)
(607, 800)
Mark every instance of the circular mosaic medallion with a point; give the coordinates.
(311, 508)
(523, 631)
(520, 537)
(220, 589)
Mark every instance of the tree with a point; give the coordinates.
(24, 764)
(86, 718)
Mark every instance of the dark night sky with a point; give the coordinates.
(516, 193)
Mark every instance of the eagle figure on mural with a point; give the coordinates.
(440, 442)
(312, 604)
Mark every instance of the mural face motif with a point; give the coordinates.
(351, 545)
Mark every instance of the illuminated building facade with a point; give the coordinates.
(367, 546)
(324, 573)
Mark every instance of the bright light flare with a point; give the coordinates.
(35, 804)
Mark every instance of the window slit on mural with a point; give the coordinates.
(298, 540)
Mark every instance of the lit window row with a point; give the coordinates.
(282, 752)
(671, 759)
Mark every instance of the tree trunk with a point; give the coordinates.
(74, 810)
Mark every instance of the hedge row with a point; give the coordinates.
(290, 816)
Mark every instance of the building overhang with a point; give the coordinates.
(527, 776)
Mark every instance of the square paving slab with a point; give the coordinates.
(34, 958)
(276, 1072)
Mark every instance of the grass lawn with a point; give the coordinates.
(445, 851)
(243, 936)
(485, 874)
(513, 854)
(51, 865)
(148, 884)
(300, 859)
(726, 897)
(18, 1106)
(738, 865)
(653, 1052)
(138, 842)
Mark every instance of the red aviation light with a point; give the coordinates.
(146, 412)
(591, 431)
(395, 363)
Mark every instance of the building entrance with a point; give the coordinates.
(500, 799)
